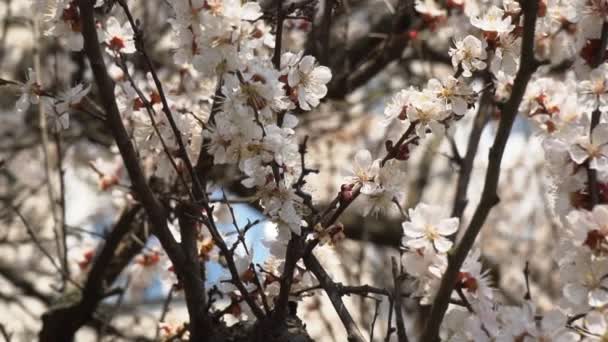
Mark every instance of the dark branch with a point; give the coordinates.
(489, 198)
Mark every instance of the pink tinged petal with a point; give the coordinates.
(448, 226)
(442, 245)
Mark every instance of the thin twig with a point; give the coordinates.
(528, 294)
(62, 218)
(595, 118)
(371, 329)
(401, 334)
(352, 331)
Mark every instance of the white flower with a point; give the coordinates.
(585, 279)
(281, 143)
(594, 90)
(397, 107)
(456, 95)
(427, 112)
(257, 87)
(429, 228)
(309, 82)
(506, 55)
(552, 327)
(364, 171)
(66, 101)
(30, 92)
(281, 203)
(594, 151)
(119, 38)
(595, 322)
(515, 321)
(469, 53)
(386, 188)
(460, 325)
(589, 228)
(474, 281)
(426, 268)
(593, 15)
(74, 95)
(494, 21)
(63, 19)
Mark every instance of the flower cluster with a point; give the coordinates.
(57, 107)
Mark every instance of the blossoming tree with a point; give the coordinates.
(190, 111)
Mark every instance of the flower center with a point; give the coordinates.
(430, 232)
(117, 43)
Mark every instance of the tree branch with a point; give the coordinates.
(466, 167)
(335, 296)
(193, 276)
(489, 198)
(62, 323)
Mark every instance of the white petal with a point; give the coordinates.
(448, 226)
(598, 297)
(307, 64)
(600, 134)
(575, 293)
(417, 243)
(412, 230)
(363, 159)
(578, 154)
(251, 11)
(293, 78)
(442, 245)
(322, 74)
